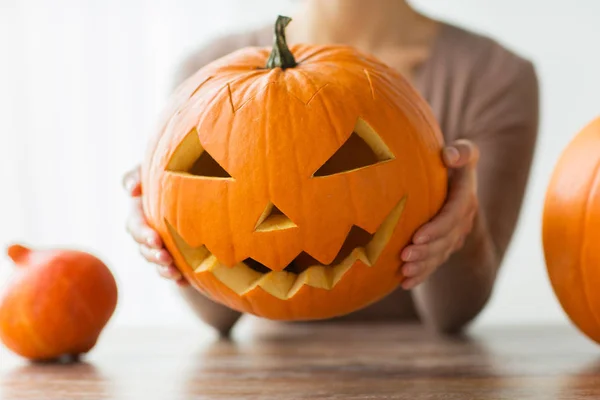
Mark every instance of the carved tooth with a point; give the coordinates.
(194, 256)
(317, 276)
(238, 278)
(208, 264)
(384, 233)
(340, 270)
(361, 254)
(277, 283)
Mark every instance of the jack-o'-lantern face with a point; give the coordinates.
(290, 192)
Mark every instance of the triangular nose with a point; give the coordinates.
(273, 219)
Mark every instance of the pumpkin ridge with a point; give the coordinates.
(315, 94)
(292, 94)
(308, 78)
(42, 346)
(595, 183)
(248, 100)
(569, 231)
(315, 54)
(249, 79)
(419, 108)
(368, 75)
(199, 87)
(230, 96)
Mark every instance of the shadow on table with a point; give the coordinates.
(400, 361)
(320, 360)
(47, 381)
(584, 383)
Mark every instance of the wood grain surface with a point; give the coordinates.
(318, 361)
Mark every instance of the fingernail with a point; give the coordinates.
(452, 155)
(407, 255)
(421, 239)
(162, 257)
(170, 273)
(152, 241)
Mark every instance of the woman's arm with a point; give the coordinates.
(486, 193)
(221, 318)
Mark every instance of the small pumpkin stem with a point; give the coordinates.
(18, 253)
(281, 56)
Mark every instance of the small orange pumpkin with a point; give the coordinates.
(57, 304)
(285, 183)
(571, 230)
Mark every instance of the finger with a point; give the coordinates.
(139, 229)
(421, 252)
(131, 182)
(412, 269)
(469, 223)
(412, 282)
(169, 272)
(156, 256)
(461, 202)
(463, 179)
(417, 273)
(142, 233)
(440, 226)
(414, 253)
(459, 244)
(433, 254)
(461, 153)
(182, 282)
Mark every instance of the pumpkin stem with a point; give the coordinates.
(18, 253)
(281, 56)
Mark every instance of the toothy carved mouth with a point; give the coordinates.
(246, 276)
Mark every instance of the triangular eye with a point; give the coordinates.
(191, 158)
(205, 165)
(363, 148)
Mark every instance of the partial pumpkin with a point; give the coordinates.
(57, 303)
(571, 230)
(286, 182)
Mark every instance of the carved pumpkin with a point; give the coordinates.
(571, 230)
(286, 183)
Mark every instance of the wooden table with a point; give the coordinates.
(319, 361)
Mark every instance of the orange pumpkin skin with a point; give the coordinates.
(57, 303)
(271, 129)
(571, 230)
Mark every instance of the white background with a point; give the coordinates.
(81, 82)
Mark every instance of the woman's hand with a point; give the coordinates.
(445, 234)
(151, 246)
